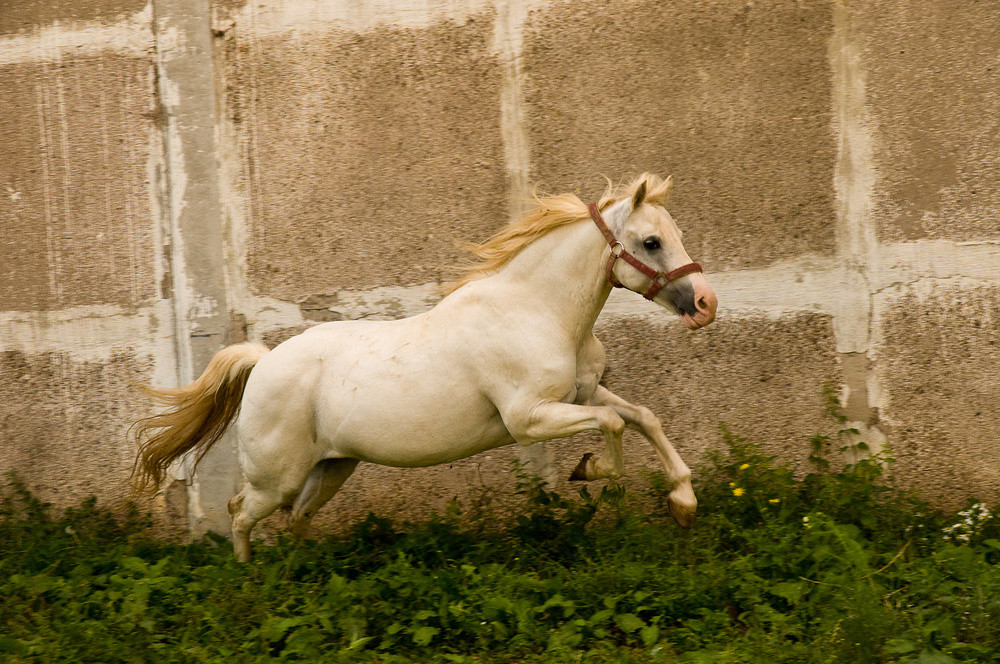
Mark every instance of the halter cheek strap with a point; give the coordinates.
(658, 279)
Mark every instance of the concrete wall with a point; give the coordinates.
(182, 174)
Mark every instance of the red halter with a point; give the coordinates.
(659, 279)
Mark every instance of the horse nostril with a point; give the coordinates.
(706, 303)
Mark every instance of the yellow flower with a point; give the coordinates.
(732, 484)
(738, 491)
(774, 501)
(744, 466)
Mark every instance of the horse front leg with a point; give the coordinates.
(681, 501)
(555, 419)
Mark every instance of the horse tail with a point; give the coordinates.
(196, 415)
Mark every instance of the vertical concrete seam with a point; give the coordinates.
(857, 244)
(508, 41)
(169, 198)
(854, 170)
(187, 89)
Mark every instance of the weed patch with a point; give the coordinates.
(831, 567)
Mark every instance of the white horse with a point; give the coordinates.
(508, 356)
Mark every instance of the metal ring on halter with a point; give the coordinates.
(656, 285)
(612, 259)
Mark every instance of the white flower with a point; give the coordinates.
(970, 524)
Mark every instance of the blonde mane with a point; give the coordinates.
(548, 214)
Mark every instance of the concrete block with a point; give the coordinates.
(763, 378)
(21, 16)
(938, 362)
(932, 77)
(732, 98)
(76, 215)
(366, 155)
(64, 423)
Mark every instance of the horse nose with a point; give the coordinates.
(705, 302)
(694, 300)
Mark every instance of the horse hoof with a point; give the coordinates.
(685, 521)
(682, 512)
(300, 530)
(579, 473)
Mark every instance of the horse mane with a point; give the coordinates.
(548, 213)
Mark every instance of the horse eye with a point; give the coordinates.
(651, 243)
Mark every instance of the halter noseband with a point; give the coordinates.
(659, 279)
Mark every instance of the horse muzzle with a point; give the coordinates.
(694, 300)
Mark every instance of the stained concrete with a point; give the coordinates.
(21, 16)
(366, 156)
(74, 183)
(732, 98)
(64, 423)
(763, 378)
(63, 431)
(939, 363)
(932, 78)
(79, 246)
(192, 213)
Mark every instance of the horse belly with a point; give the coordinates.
(406, 406)
(400, 428)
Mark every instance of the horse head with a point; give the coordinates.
(647, 255)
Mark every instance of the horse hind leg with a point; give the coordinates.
(247, 508)
(323, 482)
(608, 464)
(258, 498)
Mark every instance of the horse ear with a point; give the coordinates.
(657, 193)
(639, 196)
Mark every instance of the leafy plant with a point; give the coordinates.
(830, 566)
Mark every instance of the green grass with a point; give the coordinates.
(832, 567)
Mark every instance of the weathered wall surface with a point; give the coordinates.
(389, 131)
(80, 243)
(932, 89)
(932, 111)
(938, 367)
(732, 99)
(183, 174)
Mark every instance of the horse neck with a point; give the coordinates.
(561, 273)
